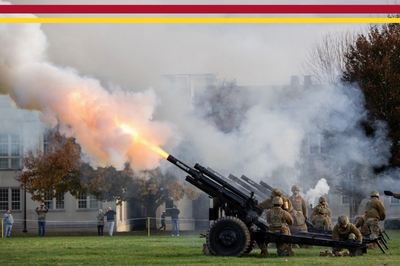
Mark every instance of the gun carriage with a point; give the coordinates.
(237, 224)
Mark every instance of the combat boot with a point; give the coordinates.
(264, 253)
(289, 251)
(281, 253)
(372, 246)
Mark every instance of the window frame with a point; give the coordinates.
(52, 203)
(10, 202)
(85, 199)
(9, 142)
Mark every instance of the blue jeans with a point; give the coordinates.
(7, 230)
(175, 224)
(110, 227)
(41, 225)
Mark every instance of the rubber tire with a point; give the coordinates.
(252, 242)
(228, 236)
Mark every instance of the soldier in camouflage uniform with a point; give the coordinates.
(345, 231)
(321, 221)
(279, 220)
(266, 205)
(322, 204)
(374, 212)
(299, 212)
(360, 223)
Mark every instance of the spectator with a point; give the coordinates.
(8, 222)
(41, 212)
(110, 213)
(100, 222)
(162, 221)
(175, 220)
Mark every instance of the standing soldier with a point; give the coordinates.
(374, 212)
(279, 220)
(360, 223)
(345, 231)
(266, 205)
(299, 212)
(320, 221)
(322, 204)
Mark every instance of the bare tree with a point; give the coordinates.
(324, 61)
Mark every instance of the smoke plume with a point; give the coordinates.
(94, 115)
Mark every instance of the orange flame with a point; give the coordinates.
(137, 138)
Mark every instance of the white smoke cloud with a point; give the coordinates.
(313, 194)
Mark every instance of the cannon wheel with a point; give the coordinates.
(228, 236)
(252, 242)
(251, 247)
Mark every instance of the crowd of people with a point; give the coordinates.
(286, 215)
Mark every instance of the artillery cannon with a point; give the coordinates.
(236, 232)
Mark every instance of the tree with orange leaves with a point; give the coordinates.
(60, 169)
(373, 64)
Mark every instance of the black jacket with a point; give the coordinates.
(175, 214)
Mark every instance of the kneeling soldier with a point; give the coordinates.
(345, 231)
(321, 221)
(279, 220)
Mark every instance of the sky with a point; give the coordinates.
(61, 69)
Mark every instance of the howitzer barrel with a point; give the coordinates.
(214, 186)
(262, 189)
(257, 193)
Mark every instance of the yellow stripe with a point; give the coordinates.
(200, 20)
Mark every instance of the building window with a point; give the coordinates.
(48, 199)
(53, 203)
(94, 203)
(394, 200)
(15, 199)
(345, 199)
(82, 201)
(168, 207)
(10, 198)
(86, 201)
(3, 198)
(10, 151)
(60, 202)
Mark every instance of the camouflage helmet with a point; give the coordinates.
(343, 220)
(322, 199)
(277, 201)
(295, 187)
(323, 211)
(276, 192)
(375, 193)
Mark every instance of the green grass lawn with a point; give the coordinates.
(137, 249)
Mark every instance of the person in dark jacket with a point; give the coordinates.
(175, 220)
(100, 222)
(162, 221)
(110, 214)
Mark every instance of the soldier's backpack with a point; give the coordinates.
(276, 219)
(298, 218)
